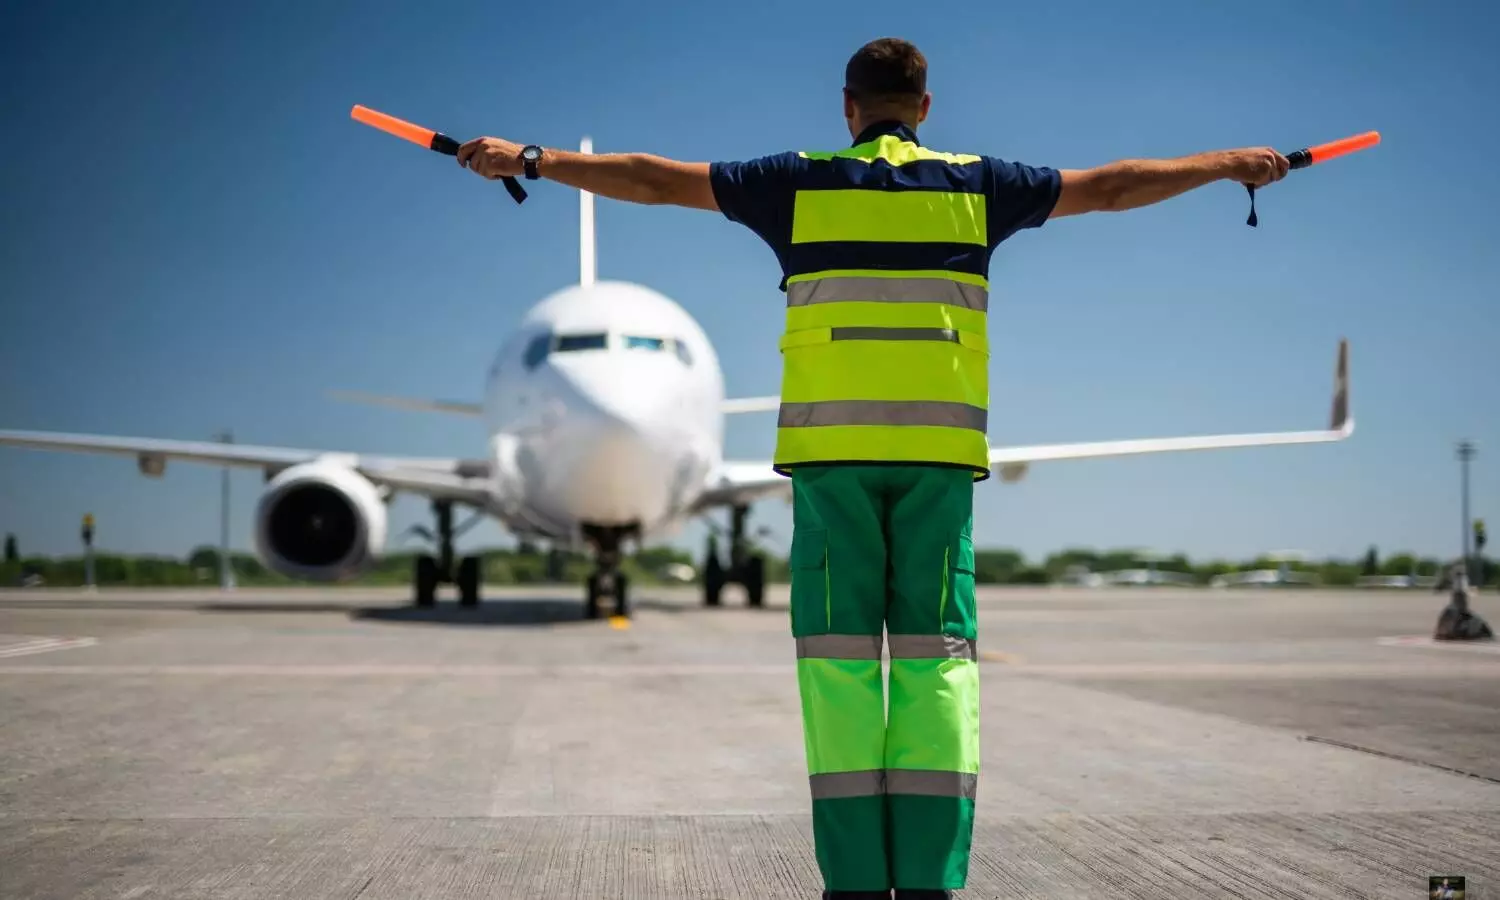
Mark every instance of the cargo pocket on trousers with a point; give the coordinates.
(808, 565)
(959, 609)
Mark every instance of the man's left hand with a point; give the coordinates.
(491, 157)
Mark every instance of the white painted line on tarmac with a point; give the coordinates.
(46, 645)
(1427, 640)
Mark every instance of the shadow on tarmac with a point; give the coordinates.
(497, 612)
(513, 611)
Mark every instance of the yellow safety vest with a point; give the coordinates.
(885, 355)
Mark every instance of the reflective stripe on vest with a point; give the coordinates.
(879, 364)
(863, 288)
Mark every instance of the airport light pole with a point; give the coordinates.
(1465, 452)
(226, 571)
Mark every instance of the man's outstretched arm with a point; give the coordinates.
(1133, 183)
(634, 177)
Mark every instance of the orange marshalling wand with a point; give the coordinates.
(1310, 156)
(425, 137)
(1301, 159)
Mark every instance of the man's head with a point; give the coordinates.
(885, 79)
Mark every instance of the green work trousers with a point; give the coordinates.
(887, 548)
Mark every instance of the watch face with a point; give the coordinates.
(532, 153)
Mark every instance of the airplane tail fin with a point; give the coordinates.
(587, 266)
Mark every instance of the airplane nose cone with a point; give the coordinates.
(618, 476)
(625, 395)
(618, 438)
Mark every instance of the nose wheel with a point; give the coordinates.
(612, 587)
(745, 568)
(607, 584)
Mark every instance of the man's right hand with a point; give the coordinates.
(1257, 166)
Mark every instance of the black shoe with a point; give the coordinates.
(857, 895)
(922, 894)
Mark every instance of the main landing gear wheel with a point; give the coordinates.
(468, 581)
(429, 572)
(745, 568)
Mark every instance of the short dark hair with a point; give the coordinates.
(887, 69)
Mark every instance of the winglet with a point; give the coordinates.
(1342, 421)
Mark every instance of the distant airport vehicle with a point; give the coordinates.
(604, 412)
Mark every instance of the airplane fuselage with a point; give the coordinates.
(603, 409)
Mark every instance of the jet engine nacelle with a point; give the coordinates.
(320, 521)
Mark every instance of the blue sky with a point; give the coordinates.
(194, 236)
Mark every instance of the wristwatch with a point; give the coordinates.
(531, 154)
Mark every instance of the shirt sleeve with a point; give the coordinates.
(758, 193)
(1020, 196)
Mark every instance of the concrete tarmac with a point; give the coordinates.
(1137, 743)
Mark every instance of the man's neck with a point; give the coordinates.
(885, 125)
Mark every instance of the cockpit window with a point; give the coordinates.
(544, 345)
(536, 351)
(567, 343)
(677, 347)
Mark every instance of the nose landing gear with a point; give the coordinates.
(607, 581)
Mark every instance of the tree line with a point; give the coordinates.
(527, 564)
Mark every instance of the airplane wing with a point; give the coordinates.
(729, 407)
(461, 480)
(453, 407)
(741, 483)
(749, 405)
(1013, 462)
(736, 483)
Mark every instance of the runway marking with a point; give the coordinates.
(1396, 756)
(1430, 668)
(416, 670)
(619, 623)
(1427, 640)
(46, 645)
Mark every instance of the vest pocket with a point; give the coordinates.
(808, 565)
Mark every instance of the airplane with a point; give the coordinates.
(1281, 576)
(604, 416)
(1148, 574)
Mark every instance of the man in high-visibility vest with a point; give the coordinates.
(885, 248)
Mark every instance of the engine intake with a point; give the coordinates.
(320, 521)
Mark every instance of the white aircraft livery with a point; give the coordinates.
(605, 418)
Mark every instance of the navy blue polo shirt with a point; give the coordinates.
(758, 193)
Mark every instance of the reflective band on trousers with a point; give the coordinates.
(867, 782)
(839, 646)
(883, 412)
(857, 289)
(932, 784)
(932, 646)
(903, 646)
